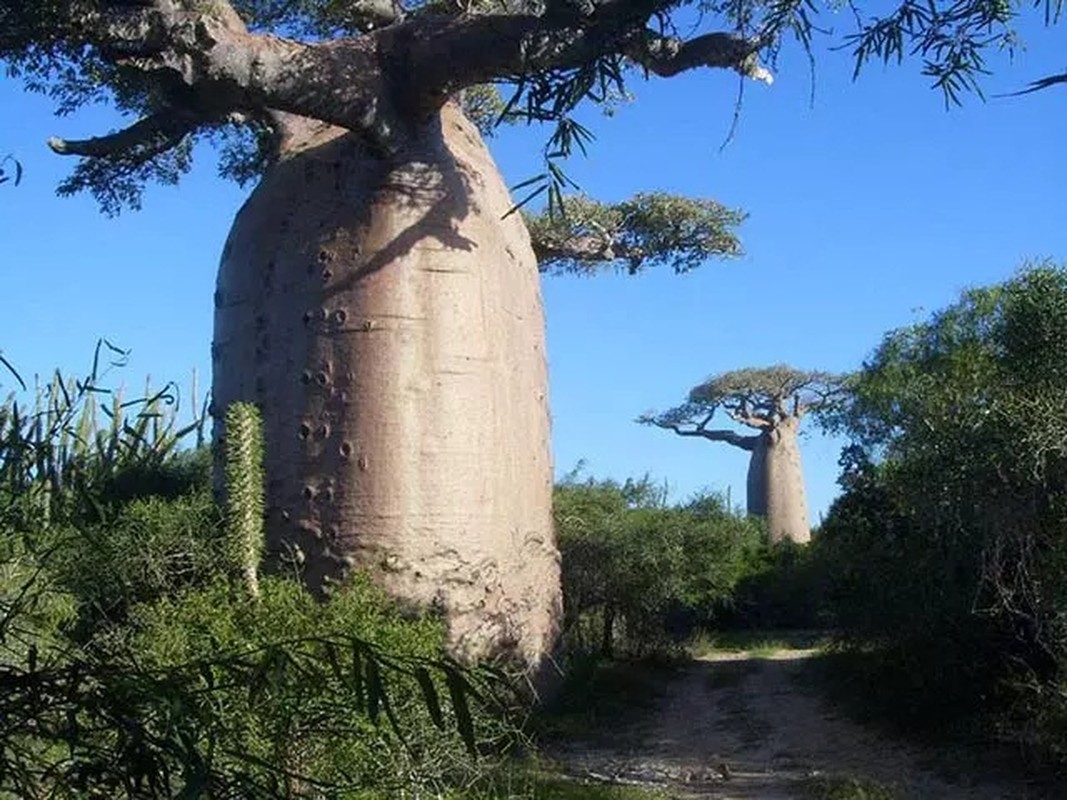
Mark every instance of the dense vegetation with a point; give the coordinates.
(142, 654)
(945, 553)
(941, 569)
(140, 658)
(640, 575)
(137, 659)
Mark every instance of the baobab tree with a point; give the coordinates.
(772, 401)
(375, 296)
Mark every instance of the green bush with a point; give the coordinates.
(639, 575)
(150, 549)
(215, 693)
(300, 711)
(946, 551)
(783, 587)
(74, 449)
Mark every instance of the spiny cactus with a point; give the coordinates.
(244, 490)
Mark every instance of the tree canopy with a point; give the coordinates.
(946, 546)
(241, 72)
(652, 229)
(755, 397)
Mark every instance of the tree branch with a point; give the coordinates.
(749, 420)
(379, 83)
(589, 249)
(740, 411)
(482, 49)
(668, 56)
(142, 140)
(207, 49)
(367, 15)
(747, 443)
(649, 229)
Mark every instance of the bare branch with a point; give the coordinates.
(206, 50)
(749, 420)
(589, 249)
(747, 443)
(142, 140)
(668, 56)
(481, 49)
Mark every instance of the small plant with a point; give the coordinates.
(76, 445)
(244, 490)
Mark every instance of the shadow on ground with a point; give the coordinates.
(741, 726)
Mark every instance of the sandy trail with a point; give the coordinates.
(740, 727)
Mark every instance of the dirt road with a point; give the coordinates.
(740, 727)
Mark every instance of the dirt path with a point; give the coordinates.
(738, 727)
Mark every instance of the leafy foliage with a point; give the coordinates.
(951, 38)
(947, 545)
(69, 455)
(756, 397)
(650, 229)
(784, 587)
(640, 575)
(574, 52)
(773, 383)
(203, 693)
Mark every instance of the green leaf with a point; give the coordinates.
(524, 201)
(13, 371)
(332, 658)
(429, 693)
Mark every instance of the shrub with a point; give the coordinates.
(135, 664)
(946, 550)
(639, 576)
(152, 548)
(310, 708)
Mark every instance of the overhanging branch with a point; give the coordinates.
(715, 435)
(482, 49)
(204, 49)
(668, 56)
(142, 140)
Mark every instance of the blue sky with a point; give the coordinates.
(868, 209)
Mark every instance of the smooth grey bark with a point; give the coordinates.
(786, 500)
(388, 322)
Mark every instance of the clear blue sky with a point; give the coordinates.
(867, 209)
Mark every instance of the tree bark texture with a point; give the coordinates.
(756, 484)
(388, 321)
(786, 507)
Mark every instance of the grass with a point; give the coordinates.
(841, 788)
(760, 644)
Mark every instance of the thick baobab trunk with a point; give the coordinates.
(756, 484)
(786, 504)
(388, 322)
